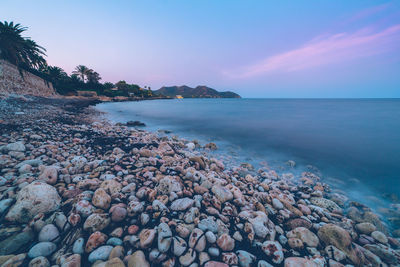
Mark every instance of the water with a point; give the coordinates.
(355, 143)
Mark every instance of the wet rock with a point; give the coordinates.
(273, 250)
(225, 242)
(49, 175)
(101, 199)
(17, 146)
(197, 240)
(138, 259)
(84, 208)
(295, 243)
(230, 258)
(326, 204)
(95, 240)
(178, 246)
(334, 235)
(5, 204)
(182, 204)
(216, 264)
(305, 235)
(245, 258)
(78, 247)
(100, 253)
(42, 249)
(380, 237)
(387, 254)
(96, 222)
(168, 185)
(299, 262)
(115, 262)
(15, 261)
(72, 261)
(211, 238)
(164, 237)
(277, 204)
(208, 224)
(38, 197)
(15, 242)
(118, 214)
(39, 262)
(298, 222)
(222, 193)
(187, 258)
(117, 252)
(365, 228)
(335, 253)
(146, 237)
(49, 233)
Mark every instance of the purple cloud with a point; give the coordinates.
(325, 50)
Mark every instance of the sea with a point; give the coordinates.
(352, 144)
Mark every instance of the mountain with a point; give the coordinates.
(198, 92)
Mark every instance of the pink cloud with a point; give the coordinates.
(324, 50)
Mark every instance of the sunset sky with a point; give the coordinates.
(255, 48)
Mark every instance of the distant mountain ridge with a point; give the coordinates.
(200, 91)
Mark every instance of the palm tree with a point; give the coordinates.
(92, 76)
(81, 71)
(20, 51)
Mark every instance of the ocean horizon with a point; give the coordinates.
(353, 143)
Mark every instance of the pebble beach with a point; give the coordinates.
(78, 190)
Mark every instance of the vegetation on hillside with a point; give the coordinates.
(27, 55)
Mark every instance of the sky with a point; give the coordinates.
(305, 48)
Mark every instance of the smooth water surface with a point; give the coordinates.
(353, 142)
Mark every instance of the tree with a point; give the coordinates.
(92, 76)
(81, 71)
(20, 51)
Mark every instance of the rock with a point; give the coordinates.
(118, 214)
(182, 204)
(216, 264)
(197, 240)
(117, 252)
(230, 258)
(178, 246)
(95, 240)
(135, 124)
(167, 185)
(15, 242)
(72, 261)
(101, 199)
(225, 242)
(42, 249)
(39, 262)
(326, 204)
(115, 262)
(164, 237)
(15, 261)
(277, 204)
(380, 237)
(299, 262)
(213, 251)
(387, 254)
(298, 222)
(335, 253)
(79, 161)
(305, 235)
(208, 224)
(38, 197)
(273, 250)
(17, 146)
(365, 228)
(146, 237)
(114, 241)
(245, 258)
(336, 236)
(5, 258)
(100, 253)
(49, 233)
(96, 222)
(223, 194)
(77, 248)
(49, 175)
(84, 208)
(295, 243)
(5, 204)
(138, 259)
(211, 238)
(187, 258)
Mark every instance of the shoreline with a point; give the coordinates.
(131, 187)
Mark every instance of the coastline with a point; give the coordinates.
(129, 186)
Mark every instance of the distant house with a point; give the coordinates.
(179, 97)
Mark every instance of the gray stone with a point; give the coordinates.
(42, 249)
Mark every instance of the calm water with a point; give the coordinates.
(355, 143)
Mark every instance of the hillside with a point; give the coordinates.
(198, 92)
